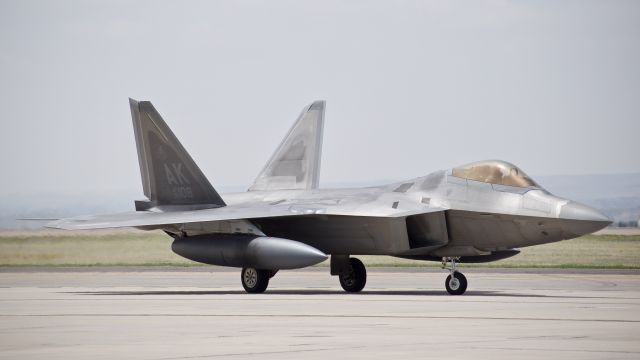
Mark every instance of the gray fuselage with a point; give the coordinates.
(479, 218)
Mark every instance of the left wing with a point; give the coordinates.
(238, 212)
(154, 218)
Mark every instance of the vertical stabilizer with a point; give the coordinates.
(169, 174)
(296, 162)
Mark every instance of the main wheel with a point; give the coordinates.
(456, 284)
(254, 280)
(354, 280)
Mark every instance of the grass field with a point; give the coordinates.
(154, 248)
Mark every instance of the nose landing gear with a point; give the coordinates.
(456, 282)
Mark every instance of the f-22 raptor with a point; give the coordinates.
(479, 212)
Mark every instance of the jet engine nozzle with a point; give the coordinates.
(240, 250)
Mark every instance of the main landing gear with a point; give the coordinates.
(355, 279)
(254, 280)
(351, 272)
(456, 283)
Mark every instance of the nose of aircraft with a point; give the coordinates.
(576, 211)
(581, 219)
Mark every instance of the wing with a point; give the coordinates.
(155, 218)
(244, 212)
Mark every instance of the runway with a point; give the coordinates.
(403, 313)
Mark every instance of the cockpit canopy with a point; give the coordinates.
(494, 172)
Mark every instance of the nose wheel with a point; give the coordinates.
(456, 282)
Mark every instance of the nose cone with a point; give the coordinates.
(576, 211)
(580, 219)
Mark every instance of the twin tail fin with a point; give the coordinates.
(295, 165)
(169, 174)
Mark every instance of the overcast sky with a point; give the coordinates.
(411, 86)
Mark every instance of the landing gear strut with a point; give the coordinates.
(456, 283)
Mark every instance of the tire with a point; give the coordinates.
(355, 280)
(457, 284)
(254, 281)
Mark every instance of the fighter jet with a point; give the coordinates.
(479, 212)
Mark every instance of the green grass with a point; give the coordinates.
(154, 249)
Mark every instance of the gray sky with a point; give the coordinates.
(411, 87)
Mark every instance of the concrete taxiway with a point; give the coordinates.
(403, 313)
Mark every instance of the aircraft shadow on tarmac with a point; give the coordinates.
(313, 292)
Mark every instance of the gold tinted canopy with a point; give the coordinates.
(494, 172)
